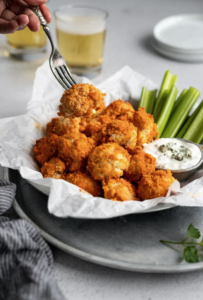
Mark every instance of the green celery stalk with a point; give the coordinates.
(180, 114)
(179, 99)
(167, 109)
(168, 80)
(148, 100)
(189, 121)
(161, 105)
(195, 131)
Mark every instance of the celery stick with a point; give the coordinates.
(161, 105)
(167, 109)
(195, 131)
(148, 100)
(168, 80)
(180, 114)
(179, 99)
(189, 121)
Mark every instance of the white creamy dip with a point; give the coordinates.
(173, 154)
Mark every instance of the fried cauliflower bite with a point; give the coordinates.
(118, 108)
(147, 129)
(75, 150)
(119, 189)
(120, 132)
(108, 161)
(81, 100)
(140, 163)
(54, 168)
(46, 148)
(85, 182)
(61, 126)
(154, 185)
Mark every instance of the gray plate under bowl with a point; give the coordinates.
(128, 243)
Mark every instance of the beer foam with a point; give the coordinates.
(83, 25)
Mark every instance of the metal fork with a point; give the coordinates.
(56, 60)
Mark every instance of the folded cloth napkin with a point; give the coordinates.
(25, 258)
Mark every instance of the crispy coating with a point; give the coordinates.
(147, 129)
(85, 182)
(155, 184)
(140, 163)
(61, 126)
(81, 100)
(119, 189)
(75, 150)
(108, 161)
(54, 168)
(120, 132)
(118, 108)
(46, 148)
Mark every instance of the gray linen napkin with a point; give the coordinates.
(25, 258)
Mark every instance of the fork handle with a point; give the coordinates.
(43, 22)
(37, 11)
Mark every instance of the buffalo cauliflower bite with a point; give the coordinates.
(85, 182)
(61, 126)
(46, 148)
(108, 161)
(54, 168)
(118, 108)
(75, 150)
(120, 132)
(119, 189)
(81, 100)
(140, 163)
(147, 129)
(154, 185)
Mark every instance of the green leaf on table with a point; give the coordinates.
(190, 254)
(193, 232)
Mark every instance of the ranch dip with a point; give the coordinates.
(173, 154)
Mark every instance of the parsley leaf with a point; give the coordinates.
(190, 254)
(193, 232)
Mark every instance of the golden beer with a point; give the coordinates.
(26, 39)
(81, 34)
(81, 50)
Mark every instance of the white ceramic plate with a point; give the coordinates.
(161, 206)
(181, 33)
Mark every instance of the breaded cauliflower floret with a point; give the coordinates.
(120, 132)
(140, 163)
(75, 150)
(119, 189)
(147, 129)
(54, 168)
(154, 185)
(119, 108)
(108, 161)
(46, 148)
(81, 100)
(61, 126)
(85, 182)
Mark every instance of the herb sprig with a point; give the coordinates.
(191, 248)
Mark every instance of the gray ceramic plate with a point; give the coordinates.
(128, 243)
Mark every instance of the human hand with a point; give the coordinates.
(18, 15)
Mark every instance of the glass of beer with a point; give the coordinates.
(26, 44)
(81, 35)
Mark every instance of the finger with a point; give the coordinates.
(46, 13)
(35, 2)
(7, 27)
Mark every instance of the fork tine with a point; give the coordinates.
(68, 75)
(62, 77)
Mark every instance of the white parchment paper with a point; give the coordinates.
(18, 135)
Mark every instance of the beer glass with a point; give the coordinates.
(81, 35)
(26, 44)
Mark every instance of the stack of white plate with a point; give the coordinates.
(180, 37)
